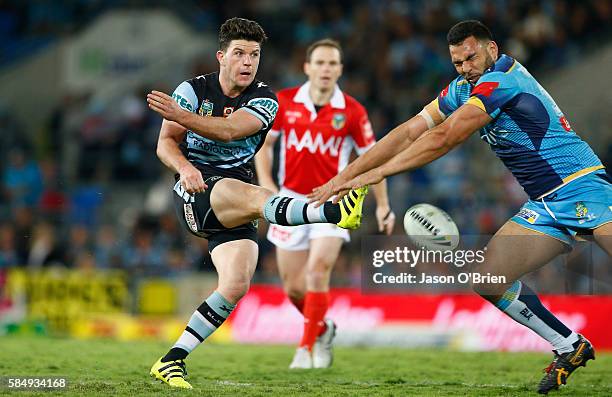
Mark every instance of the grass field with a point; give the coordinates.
(109, 368)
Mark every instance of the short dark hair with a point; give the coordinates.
(240, 29)
(465, 29)
(323, 43)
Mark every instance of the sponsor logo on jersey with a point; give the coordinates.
(184, 103)
(565, 124)
(528, 215)
(268, 104)
(316, 145)
(292, 116)
(491, 135)
(227, 111)
(485, 89)
(368, 132)
(206, 108)
(210, 147)
(444, 92)
(338, 121)
(488, 136)
(190, 218)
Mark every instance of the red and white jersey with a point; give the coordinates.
(315, 147)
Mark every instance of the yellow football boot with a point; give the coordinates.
(172, 373)
(351, 207)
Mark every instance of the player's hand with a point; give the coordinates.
(371, 177)
(321, 194)
(385, 218)
(163, 104)
(192, 180)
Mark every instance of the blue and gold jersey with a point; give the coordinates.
(529, 133)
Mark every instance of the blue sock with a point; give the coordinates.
(288, 211)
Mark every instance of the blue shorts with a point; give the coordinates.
(578, 207)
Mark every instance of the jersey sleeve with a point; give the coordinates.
(264, 106)
(447, 100)
(493, 91)
(361, 130)
(277, 127)
(186, 97)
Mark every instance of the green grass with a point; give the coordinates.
(110, 368)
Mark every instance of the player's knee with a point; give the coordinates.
(265, 192)
(319, 265)
(258, 199)
(293, 284)
(295, 293)
(318, 274)
(233, 291)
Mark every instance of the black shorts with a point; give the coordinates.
(197, 216)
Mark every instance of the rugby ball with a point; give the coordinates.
(430, 227)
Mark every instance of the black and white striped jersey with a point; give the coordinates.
(203, 95)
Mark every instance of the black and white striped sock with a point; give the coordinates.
(204, 321)
(289, 211)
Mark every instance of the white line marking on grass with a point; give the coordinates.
(230, 383)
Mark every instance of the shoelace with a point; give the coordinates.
(183, 367)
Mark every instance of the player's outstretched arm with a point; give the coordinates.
(238, 125)
(397, 140)
(428, 147)
(263, 163)
(170, 135)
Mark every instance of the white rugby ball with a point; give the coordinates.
(430, 227)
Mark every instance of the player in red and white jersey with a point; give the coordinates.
(319, 127)
(317, 141)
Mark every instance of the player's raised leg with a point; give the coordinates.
(513, 252)
(235, 203)
(235, 262)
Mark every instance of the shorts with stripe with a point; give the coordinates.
(580, 206)
(196, 214)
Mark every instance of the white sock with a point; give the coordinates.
(524, 306)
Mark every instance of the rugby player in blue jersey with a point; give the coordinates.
(213, 126)
(569, 190)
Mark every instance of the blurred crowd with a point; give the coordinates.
(88, 191)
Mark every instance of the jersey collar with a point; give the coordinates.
(503, 64)
(302, 96)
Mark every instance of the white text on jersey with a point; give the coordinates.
(316, 145)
